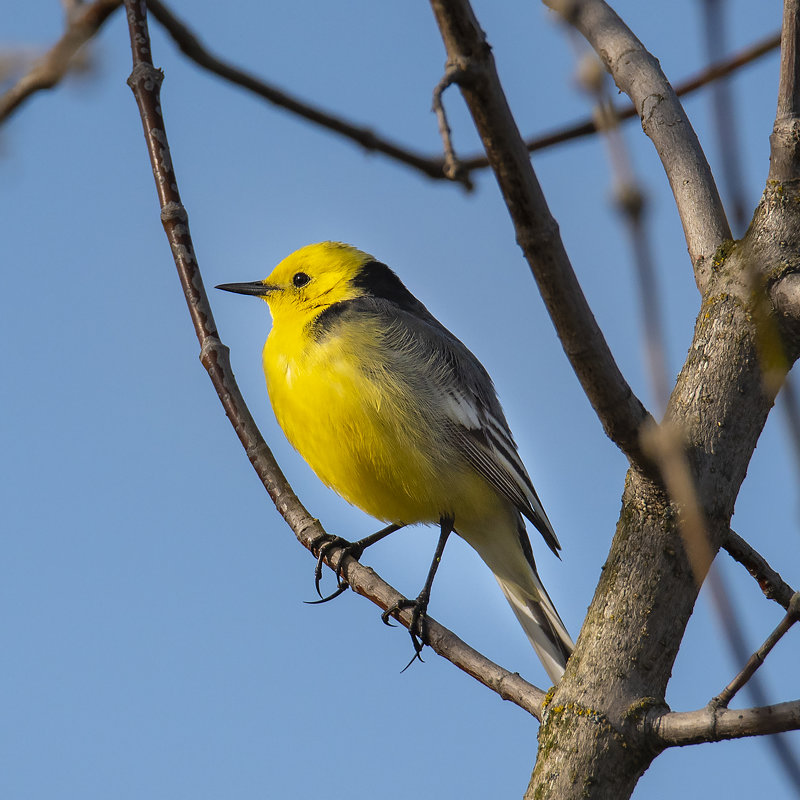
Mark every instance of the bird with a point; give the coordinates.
(397, 416)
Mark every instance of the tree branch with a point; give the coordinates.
(145, 82)
(785, 139)
(191, 46)
(83, 23)
(771, 583)
(679, 728)
(619, 410)
(452, 164)
(432, 166)
(638, 74)
(757, 659)
(588, 126)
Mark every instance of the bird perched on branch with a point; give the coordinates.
(397, 416)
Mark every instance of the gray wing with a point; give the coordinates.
(469, 402)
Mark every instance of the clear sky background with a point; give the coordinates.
(154, 639)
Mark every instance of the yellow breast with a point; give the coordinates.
(355, 422)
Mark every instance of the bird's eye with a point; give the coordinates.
(300, 279)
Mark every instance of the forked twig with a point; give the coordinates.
(757, 659)
(588, 126)
(452, 168)
(193, 48)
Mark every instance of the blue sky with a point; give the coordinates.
(155, 642)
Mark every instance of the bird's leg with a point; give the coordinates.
(325, 543)
(417, 626)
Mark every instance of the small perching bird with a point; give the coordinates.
(397, 416)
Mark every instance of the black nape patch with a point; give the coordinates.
(324, 322)
(377, 280)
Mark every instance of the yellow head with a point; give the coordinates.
(316, 276)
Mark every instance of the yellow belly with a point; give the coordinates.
(366, 437)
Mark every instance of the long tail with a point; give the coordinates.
(539, 619)
(504, 547)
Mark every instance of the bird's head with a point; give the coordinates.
(319, 275)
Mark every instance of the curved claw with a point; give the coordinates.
(416, 628)
(318, 572)
(386, 614)
(342, 588)
(400, 605)
(416, 657)
(323, 545)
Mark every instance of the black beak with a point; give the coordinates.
(254, 288)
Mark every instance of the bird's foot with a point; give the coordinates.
(417, 628)
(322, 547)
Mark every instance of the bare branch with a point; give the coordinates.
(638, 74)
(83, 23)
(191, 46)
(432, 166)
(727, 65)
(588, 126)
(509, 685)
(145, 82)
(679, 728)
(452, 165)
(757, 659)
(619, 410)
(785, 149)
(757, 566)
(771, 583)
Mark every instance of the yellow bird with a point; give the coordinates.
(397, 416)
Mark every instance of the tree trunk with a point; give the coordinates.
(592, 742)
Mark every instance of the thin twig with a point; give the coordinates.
(757, 659)
(452, 166)
(145, 82)
(771, 583)
(639, 75)
(734, 636)
(83, 23)
(588, 126)
(432, 166)
(191, 46)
